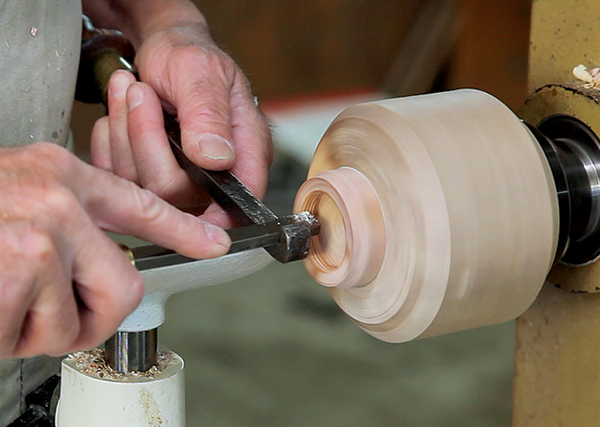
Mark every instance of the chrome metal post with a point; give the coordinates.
(132, 351)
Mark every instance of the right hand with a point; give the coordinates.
(64, 285)
(222, 128)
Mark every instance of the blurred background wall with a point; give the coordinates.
(292, 48)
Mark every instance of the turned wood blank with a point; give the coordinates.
(438, 213)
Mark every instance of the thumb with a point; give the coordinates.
(204, 116)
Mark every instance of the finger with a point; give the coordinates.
(120, 206)
(215, 214)
(252, 136)
(17, 289)
(100, 155)
(122, 158)
(157, 169)
(254, 148)
(108, 285)
(37, 309)
(52, 321)
(203, 108)
(74, 250)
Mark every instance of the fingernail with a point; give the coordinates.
(135, 96)
(217, 235)
(215, 147)
(119, 84)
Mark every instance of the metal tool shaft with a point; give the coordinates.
(132, 351)
(224, 187)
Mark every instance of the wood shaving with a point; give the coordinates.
(92, 363)
(591, 77)
(306, 217)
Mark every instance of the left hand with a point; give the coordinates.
(184, 72)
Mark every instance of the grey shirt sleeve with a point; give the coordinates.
(39, 55)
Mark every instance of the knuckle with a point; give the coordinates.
(15, 290)
(242, 82)
(38, 247)
(64, 339)
(209, 110)
(25, 248)
(165, 189)
(51, 154)
(59, 202)
(146, 206)
(215, 67)
(45, 163)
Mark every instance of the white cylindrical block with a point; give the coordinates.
(92, 397)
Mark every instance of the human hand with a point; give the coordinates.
(221, 126)
(64, 285)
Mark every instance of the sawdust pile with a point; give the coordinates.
(92, 363)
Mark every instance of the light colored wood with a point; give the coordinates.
(350, 248)
(469, 208)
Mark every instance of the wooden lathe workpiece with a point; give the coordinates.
(439, 213)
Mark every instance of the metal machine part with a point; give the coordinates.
(280, 235)
(575, 100)
(573, 152)
(41, 405)
(132, 351)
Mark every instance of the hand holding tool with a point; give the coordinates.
(285, 238)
